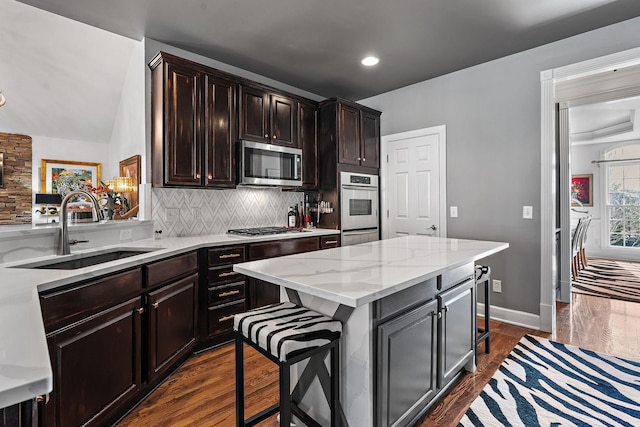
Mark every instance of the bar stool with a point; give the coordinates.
(483, 277)
(287, 334)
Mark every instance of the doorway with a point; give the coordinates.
(574, 85)
(413, 184)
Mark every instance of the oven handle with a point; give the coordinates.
(358, 187)
(360, 231)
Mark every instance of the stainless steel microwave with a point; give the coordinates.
(267, 164)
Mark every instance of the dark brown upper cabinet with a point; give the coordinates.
(354, 130)
(308, 128)
(193, 124)
(267, 117)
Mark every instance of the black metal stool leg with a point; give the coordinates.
(487, 317)
(285, 395)
(335, 385)
(239, 383)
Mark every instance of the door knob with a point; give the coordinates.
(433, 227)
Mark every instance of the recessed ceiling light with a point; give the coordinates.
(370, 61)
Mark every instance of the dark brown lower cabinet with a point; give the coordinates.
(172, 323)
(263, 293)
(97, 366)
(20, 415)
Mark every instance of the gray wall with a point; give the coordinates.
(492, 114)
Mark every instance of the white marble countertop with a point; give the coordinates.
(360, 274)
(25, 370)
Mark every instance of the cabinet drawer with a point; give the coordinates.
(226, 255)
(168, 269)
(221, 316)
(226, 293)
(282, 247)
(67, 305)
(218, 276)
(327, 242)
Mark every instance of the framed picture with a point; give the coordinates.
(52, 170)
(131, 168)
(582, 190)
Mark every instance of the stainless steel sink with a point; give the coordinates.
(73, 262)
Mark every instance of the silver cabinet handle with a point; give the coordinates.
(331, 242)
(231, 273)
(227, 294)
(140, 310)
(155, 305)
(225, 256)
(225, 318)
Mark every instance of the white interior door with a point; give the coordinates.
(414, 196)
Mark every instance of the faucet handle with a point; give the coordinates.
(76, 241)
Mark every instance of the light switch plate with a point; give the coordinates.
(453, 211)
(527, 212)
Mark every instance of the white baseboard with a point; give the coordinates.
(513, 317)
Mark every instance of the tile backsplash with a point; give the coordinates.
(188, 212)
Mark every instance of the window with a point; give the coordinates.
(623, 196)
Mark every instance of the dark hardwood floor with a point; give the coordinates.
(202, 391)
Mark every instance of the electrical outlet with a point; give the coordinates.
(527, 212)
(497, 286)
(126, 234)
(172, 214)
(454, 212)
(195, 212)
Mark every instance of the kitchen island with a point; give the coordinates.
(408, 309)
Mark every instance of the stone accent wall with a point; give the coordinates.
(15, 193)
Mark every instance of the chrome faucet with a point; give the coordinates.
(63, 243)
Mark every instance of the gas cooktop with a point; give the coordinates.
(264, 231)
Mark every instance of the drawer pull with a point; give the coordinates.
(230, 273)
(225, 318)
(229, 256)
(155, 305)
(140, 310)
(228, 294)
(331, 242)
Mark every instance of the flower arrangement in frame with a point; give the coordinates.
(130, 168)
(582, 190)
(76, 175)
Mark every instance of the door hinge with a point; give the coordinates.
(387, 213)
(387, 158)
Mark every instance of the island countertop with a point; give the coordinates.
(360, 274)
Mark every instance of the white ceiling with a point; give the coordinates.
(63, 78)
(605, 122)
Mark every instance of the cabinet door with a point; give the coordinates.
(283, 121)
(219, 132)
(172, 324)
(20, 415)
(308, 140)
(262, 293)
(182, 139)
(348, 135)
(96, 366)
(254, 114)
(406, 364)
(370, 143)
(457, 330)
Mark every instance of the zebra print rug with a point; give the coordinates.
(610, 279)
(545, 383)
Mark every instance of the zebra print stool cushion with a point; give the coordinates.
(482, 273)
(285, 329)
